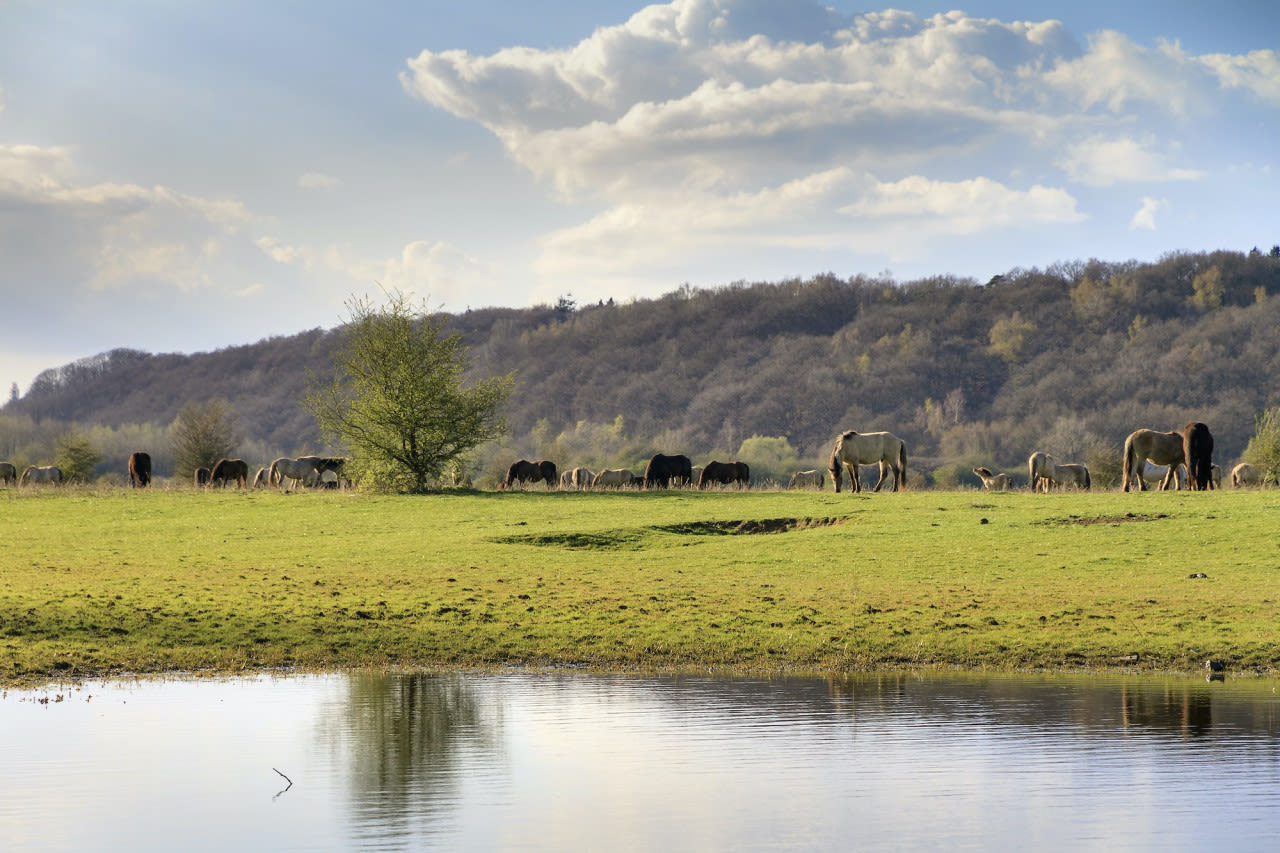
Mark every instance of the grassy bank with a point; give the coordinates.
(101, 581)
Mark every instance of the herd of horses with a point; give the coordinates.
(852, 449)
(285, 471)
(1190, 450)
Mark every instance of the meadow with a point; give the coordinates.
(108, 581)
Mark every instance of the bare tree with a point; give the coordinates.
(201, 434)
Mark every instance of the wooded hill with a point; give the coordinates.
(1067, 359)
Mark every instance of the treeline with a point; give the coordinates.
(1067, 360)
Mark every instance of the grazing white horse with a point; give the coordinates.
(869, 448)
(41, 474)
(295, 470)
(811, 479)
(612, 478)
(1243, 475)
(576, 478)
(1068, 474)
(992, 482)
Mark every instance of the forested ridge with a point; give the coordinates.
(1067, 359)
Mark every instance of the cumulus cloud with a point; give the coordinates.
(433, 270)
(109, 235)
(1145, 218)
(1101, 161)
(688, 121)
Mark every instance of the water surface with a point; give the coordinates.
(582, 762)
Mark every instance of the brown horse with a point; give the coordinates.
(1197, 447)
(140, 469)
(236, 470)
(200, 477)
(725, 474)
(525, 471)
(1160, 448)
(8, 473)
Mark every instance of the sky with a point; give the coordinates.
(188, 176)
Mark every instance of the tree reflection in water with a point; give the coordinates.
(407, 739)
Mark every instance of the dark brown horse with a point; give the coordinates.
(236, 470)
(662, 470)
(8, 473)
(140, 469)
(201, 476)
(1197, 446)
(525, 471)
(725, 474)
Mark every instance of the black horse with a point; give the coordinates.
(525, 471)
(725, 474)
(663, 470)
(1197, 447)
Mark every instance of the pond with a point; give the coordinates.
(535, 761)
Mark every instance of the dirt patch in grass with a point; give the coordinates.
(747, 527)
(1106, 519)
(577, 541)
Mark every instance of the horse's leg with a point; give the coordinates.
(883, 472)
(855, 483)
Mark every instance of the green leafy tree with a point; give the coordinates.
(1263, 450)
(75, 455)
(396, 399)
(201, 434)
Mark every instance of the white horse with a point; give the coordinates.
(576, 478)
(612, 478)
(811, 479)
(41, 474)
(1068, 474)
(992, 482)
(295, 470)
(1037, 467)
(1245, 474)
(869, 448)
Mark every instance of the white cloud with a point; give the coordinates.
(1258, 72)
(1101, 161)
(699, 125)
(834, 210)
(108, 235)
(1145, 218)
(318, 181)
(675, 96)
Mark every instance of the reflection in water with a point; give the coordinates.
(529, 761)
(408, 740)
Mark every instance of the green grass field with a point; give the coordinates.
(105, 581)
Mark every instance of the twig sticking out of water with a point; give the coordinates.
(286, 787)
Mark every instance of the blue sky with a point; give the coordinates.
(188, 176)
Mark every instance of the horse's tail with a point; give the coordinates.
(834, 466)
(902, 467)
(1088, 480)
(1126, 477)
